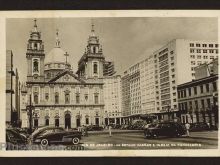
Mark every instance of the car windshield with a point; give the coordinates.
(38, 130)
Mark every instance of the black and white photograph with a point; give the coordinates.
(111, 83)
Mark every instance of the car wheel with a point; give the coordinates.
(75, 140)
(44, 142)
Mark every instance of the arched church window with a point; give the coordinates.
(94, 49)
(35, 69)
(95, 68)
(35, 46)
(56, 98)
(77, 99)
(46, 96)
(67, 98)
(36, 98)
(96, 98)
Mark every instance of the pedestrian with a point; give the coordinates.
(209, 127)
(110, 130)
(187, 125)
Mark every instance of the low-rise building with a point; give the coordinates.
(198, 99)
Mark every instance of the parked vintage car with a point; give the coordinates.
(94, 128)
(55, 135)
(12, 136)
(22, 132)
(171, 129)
(199, 127)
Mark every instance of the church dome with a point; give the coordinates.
(56, 55)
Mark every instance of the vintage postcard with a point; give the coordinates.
(109, 83)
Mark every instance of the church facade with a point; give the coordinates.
(60, 96)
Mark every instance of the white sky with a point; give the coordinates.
(124, 40)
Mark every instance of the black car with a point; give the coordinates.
(13, 137)
(94, 128)
(55, 135)
(171, 129)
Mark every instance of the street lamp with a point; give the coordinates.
(30, 107)
(168, 111)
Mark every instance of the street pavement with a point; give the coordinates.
(136, 140)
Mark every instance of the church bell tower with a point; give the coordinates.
(35, 56)
(92, 61)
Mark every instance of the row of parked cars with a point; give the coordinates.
(44, 136)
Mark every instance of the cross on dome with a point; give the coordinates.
(57, 39)
(66, 54)
(35, 25)
(92, 28)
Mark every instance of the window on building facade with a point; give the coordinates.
(46, 96)
(56, 98)
(87, 120)
(211, 57)
(201, 88)
(198, 51)
(94, 49)
(77, 99)
(36, 65)
(196, 105)
(192, 56)
(204, 51)
(184, 93)
(195, 90)
(192, 50)
(35, 46)
(197, 45)
(207, 87)
(216, 45)
(199, 57)
(204, 45)
(36, 98)
(211, 51)
(95, 68)
(189, 91)
(193, 63)
(86, 97)
(210, 45)
(190, 104)
(67, 98)
(214, 86)
(203, 103)
(191, 44)
(208, 103)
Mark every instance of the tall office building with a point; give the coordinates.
(108, 68)
(125, 83)
(112, 99)
(161, 72)
(147, 85)
(174, 64)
